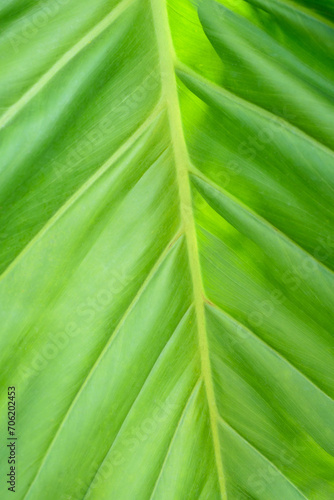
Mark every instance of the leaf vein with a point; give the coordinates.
(182, 163)
(167, 250)
(178, 426)
(223, 422)
(84, 187)
(231, 318)
(63, 61)
(136, 398)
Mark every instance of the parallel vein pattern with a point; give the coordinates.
(167, 248)
(169, 89)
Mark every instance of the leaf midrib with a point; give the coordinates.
(182, 163)
(254, 108)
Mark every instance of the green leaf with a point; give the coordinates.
(167, 249)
